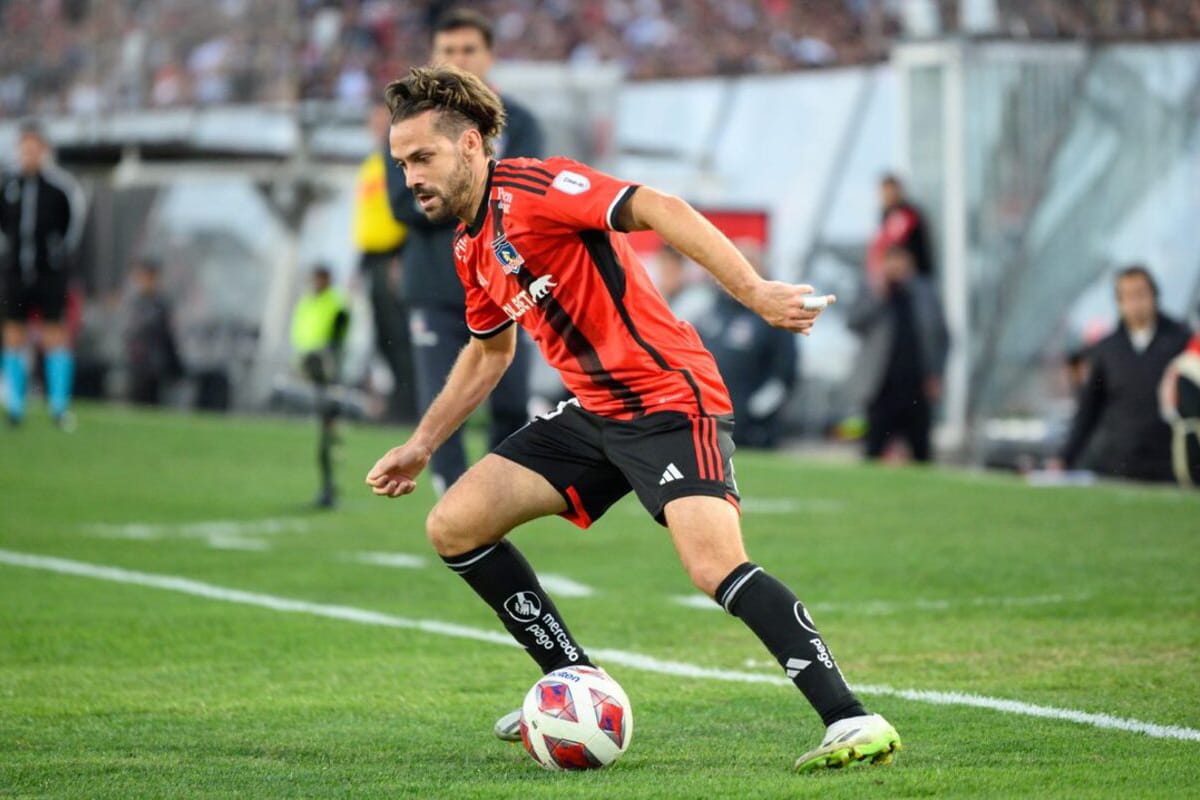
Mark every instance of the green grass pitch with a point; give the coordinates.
(1087, 600)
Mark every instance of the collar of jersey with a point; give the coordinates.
(481, 213)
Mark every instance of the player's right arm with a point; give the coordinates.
(475, 374)
(681, 226)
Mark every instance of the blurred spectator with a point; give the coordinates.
(431, 287)
(150, 350)
(757, 361)
(689, 296)
(1118, 405)
(904, 349)
(111, 54)
(319, 326)
(42, 214)
(902, 225)
(378, 237)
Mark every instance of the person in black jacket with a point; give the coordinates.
(150, 349)
(1118, 430)
(905, 344)
(430, 285)
(757, 361)
(41, 223)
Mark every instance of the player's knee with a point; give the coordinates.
(706, 575)
(443, 533)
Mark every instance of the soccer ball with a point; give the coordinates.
(576, 718)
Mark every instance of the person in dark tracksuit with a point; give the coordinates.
(42, 214)
(379, 237)
(757, 361)
(431, 287)
(1118, 430)
(904, 348)
(153, 358)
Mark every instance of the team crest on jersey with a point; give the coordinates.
(507, 255)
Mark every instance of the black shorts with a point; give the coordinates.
(594, 461)
(47, 294)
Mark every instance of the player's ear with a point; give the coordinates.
(471, 142)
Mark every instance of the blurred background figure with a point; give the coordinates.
(319, 325)
(901, 225)
(378, 237)
(42, 214)
(898, 374)
(689, 296)
(1118, 413)
(432, 290)
(758, 362)
(151, 355)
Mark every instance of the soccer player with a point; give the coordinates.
(541, 244)
(41, 222)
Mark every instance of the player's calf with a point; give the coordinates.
(783, 624)
(502, 577)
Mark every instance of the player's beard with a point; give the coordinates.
(453, 199)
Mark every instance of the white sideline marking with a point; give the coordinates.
(878, 608)
(633, 660)
(218, 533)
(563, 586)
(791, 505)
(400, 560)
(697, 601)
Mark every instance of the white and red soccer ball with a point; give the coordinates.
(576, 718)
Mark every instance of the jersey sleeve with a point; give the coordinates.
(580, 198)
(484, 318)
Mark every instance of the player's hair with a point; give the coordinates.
(1138, 271)
(890, 179)
(458, 18)
(461, 100)
(32, 127)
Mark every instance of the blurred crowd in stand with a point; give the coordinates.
(85, 56)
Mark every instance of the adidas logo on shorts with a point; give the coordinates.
(671, 473)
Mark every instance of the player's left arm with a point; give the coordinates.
(681, 226)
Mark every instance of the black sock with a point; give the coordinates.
(780, 620)
(503, 578)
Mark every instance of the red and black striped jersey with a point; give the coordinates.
(545, 251)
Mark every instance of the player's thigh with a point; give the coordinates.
(669, 455)
(707, 535)
(493, 497)
(566, 447)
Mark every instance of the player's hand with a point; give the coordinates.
(395, 474)
(789, 306)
